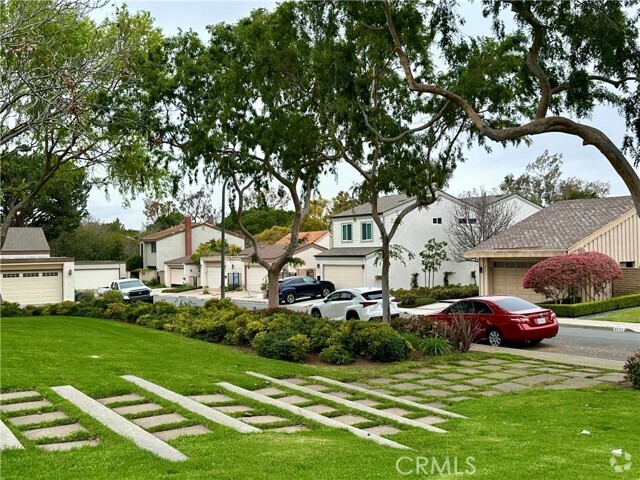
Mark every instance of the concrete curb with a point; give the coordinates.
(7, 439)
(553, 357)
(600, 324)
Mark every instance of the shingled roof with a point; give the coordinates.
(25, 240)
(559, 226)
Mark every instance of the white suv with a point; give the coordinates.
(362, 303)
(132, 290)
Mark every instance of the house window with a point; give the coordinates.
(153, 247)
(34, 274)
(367, 232)
(465, 221)
(437, 220)
(627, 264)
(10, 275)
(49, 274)
(347, 232)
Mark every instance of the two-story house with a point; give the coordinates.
(168, 251)
(356, 241)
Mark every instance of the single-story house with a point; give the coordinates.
(168, 251)
(356, 240)
(29, 275)
(255, 274)
(606, 225)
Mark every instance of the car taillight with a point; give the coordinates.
(553, 316)
(368, 304)
(519, 319)
(394, 300)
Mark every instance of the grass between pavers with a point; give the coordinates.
(631, 315)
(531, 434)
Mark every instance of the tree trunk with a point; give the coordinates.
(386, 304)
(272, 289)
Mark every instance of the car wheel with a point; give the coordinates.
(316, 313)
(290, 298)
(325, 292)
(495, 337)
(352, 316)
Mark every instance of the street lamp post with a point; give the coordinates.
(222, 244)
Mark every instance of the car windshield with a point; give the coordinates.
(132, 284)
(515, 304)
(373, 295)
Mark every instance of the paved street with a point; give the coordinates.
(591, 342)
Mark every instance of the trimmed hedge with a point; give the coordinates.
(426, 295)
(277, 333)
(591, 308)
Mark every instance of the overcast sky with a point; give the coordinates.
(481, 169)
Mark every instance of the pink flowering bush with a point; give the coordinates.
(566, 276)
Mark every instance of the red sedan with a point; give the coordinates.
(504, 319)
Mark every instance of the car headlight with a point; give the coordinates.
(125, 296)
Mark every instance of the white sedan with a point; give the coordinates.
(362, 303)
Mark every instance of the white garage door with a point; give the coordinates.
(344, 276)
(92, 279)
(255, 276)
(33, 287)
(177, 275)
(213, 277)
(507, 280)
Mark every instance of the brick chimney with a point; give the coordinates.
(187, 236)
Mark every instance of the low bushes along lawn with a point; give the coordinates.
(523, 435)
(591, 308)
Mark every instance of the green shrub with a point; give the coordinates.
(67, 308)
(436, 346)
(337, 354)
(84, 295)
(282, 345)
(632, 367)
(10, 309)
(135, 310)
(372, 340)
(590, 308)
(408, 300)
(321, 334)
(427, 295)
(32, 310)
(164, 308)
(116, 311)
(111, 296)
(152, 320)
(89, 310)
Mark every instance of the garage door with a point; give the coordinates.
(92, 279)
(507, 280)
(344, 276)
(177, 275)
(213, 277)
(33, 287)
(255, 276)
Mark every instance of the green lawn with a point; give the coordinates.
(529, 435)
(627, 315)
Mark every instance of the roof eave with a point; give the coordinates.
(515, 253)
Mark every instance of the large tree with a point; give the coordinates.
(241, 115)
(70, 95)
(93, 241)
(542, 182)
(548, 65)
(477, 216)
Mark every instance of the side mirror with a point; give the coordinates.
(325, 300)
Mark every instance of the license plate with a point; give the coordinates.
(540, 321)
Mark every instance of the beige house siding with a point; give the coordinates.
(621, 241)
(628, 284)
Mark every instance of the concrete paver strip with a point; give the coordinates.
(16, 395)
(386, 396)
(470, 371)
(612, 377)
(452, 376)
(119, 425)
(537, 379)
(382, 430)
(59, 431)
(320, 409)
(509, 387)
(211, 398)
(7, 439)
(139, 408)
(351, 419)
(434, 381)
(263, 419)
(129, 397)
(329, 422)
(495, 361)
(270, 391)
(17, 407)
(499, 375)
(406, 376)
(434, 392)
(461, 388)
(405, 387)
(37, 418)
(350, 404)
(293, 399)
(192, 405)
(157, 420)
(296, 380)
(381, 381)
(479, 381)
(65, 446)
(167, 435)
(233, 409)
(431, 419)
(290, 429)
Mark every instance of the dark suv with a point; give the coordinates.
(291, 288)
